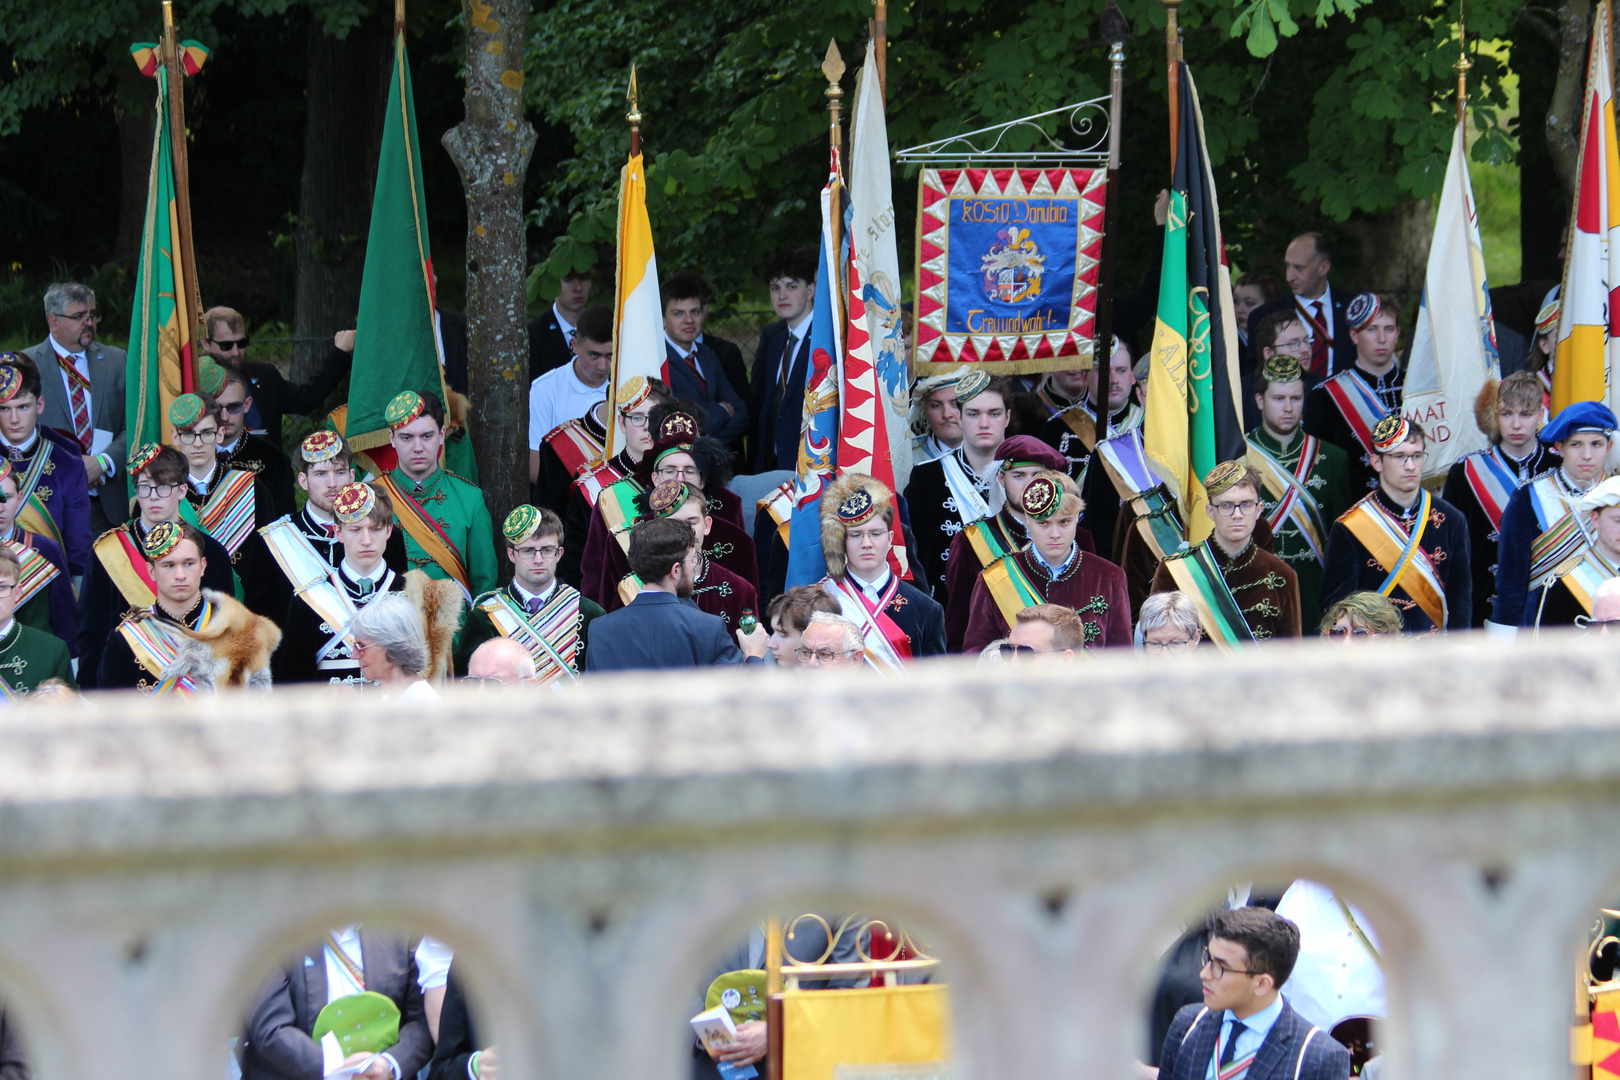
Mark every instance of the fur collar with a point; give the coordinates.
(439, 602)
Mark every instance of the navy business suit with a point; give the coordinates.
(1190, 1044)
(659, 630)
(278, 1045)
(710, 392)
(776, 431)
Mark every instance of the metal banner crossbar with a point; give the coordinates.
(1088, 120)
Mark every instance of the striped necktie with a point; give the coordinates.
(1319, 342)
(79, 399)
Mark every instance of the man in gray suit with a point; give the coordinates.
(83, 382)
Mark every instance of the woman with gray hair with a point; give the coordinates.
(391, 645)
(1169, 625)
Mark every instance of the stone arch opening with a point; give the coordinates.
(455, 984)
(1365, 973)
(884, 952)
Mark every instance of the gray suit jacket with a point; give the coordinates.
(278, 1045)
(107, 410)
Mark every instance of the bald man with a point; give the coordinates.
(501, 660)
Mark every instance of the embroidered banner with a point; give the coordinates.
(1007, 265)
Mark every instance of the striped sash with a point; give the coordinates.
(618, 507)
(429, 535)
(36, 572)
(1011, 588)
(551, 634)
(227, 516)
(596, 477)
(779, 505)
(1361, 408)
(970, 505)
(156, 645)
(1400, 554)
(34, 516)
(887, 646)
(313, 579)
(1582, 576)
(121, 556)
(1492, 480)
(574, 445)
(1563, 534)
(989, 541)
(1294, 502)
(1156, 518)
(1237, 1067)
(1197, 575)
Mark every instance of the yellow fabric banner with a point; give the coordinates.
(823, 1029)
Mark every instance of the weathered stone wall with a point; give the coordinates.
(589, 854)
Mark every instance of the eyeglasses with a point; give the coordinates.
(7, 588)
(1014, 653)
(1348, 631)
(1221, 970)
(635, 420)
(548, 551)
(161, 491)
(229, 346)
(1405, 459)
(1173, 647)
(81, 317)
(821, 656)
(1597, 624)
(483, 680)
(671, 472)
(197, 438)
(1246, 507)
(235, 408)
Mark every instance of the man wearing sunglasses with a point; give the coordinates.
(1245, 1029)
(272, 395)
(83, 388)
(239, 448)
(1243, 592)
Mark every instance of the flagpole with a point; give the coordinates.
(880, 34)
(1114, 30)
(633, 95)
(832, 66)
(1172, 45)
(1462, 64)
(186, 256)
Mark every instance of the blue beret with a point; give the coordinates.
(1581, 416)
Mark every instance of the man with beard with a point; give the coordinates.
(659, 629)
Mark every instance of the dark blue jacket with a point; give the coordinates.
(1190, 1044)
(1517, 533)
(710, 393)
(65, 491)
(659, 630)
(775, 443)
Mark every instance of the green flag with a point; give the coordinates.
(395, 346)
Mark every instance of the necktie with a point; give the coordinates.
(1319, 341)
(1229, 1052)
(331, 530)
(78, 399)
(16, 453)
(533, 605)
(365, 585)
(786, 366)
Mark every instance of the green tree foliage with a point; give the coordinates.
(1316, 111)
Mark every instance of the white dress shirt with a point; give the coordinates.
(1326, 300)
(339, 983)
(1335, 976)
(557, 397)
(1255, 1029)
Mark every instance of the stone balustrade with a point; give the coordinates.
(590, 854)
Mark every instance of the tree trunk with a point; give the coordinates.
(491, 149)
(1543, 209)
(1564, 114)
(134, 105)
(348, 83)
(1395, 249)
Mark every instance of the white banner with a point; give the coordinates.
(1454, 347)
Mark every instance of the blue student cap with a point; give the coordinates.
(1581, 416)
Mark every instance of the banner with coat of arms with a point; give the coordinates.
(1007, 265)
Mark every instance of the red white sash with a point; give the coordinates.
(1492, 480)
(888, 647)
(1360, 405)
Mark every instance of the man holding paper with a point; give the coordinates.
(325, 980)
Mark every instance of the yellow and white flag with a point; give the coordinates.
(1589, 327)
(638, 314)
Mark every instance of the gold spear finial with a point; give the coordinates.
(633, 96)
(833, 68)
(1463, 63)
